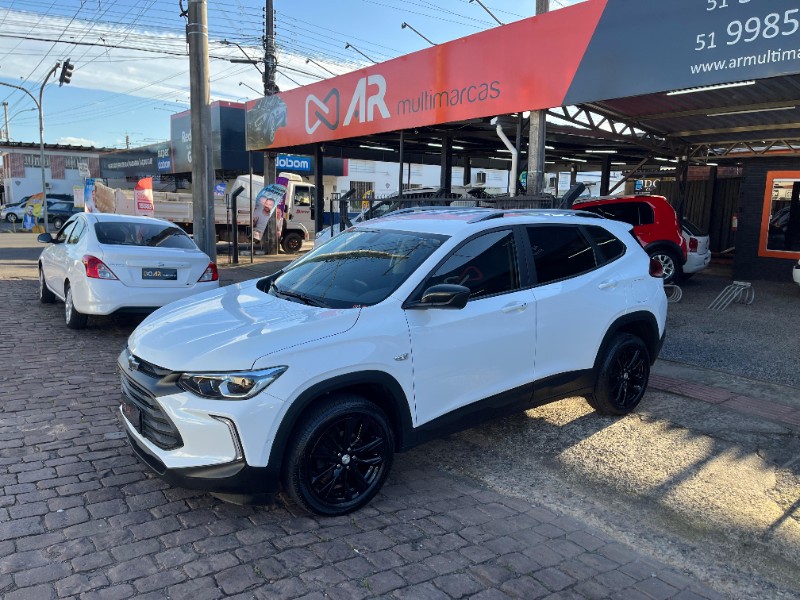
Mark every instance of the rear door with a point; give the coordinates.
(580, 289)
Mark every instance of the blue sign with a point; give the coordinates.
(219, 190)
(299, 164)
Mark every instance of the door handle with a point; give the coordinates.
(609, 284)
(514, 306)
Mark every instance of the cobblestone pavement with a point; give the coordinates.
(80, 517)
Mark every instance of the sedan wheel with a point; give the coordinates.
(340, 457)
(74, 319)
(45, 295)
(11, 217)
(623, 376)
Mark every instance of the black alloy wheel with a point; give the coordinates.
(340, 456)
(58, 222)
(623, 377)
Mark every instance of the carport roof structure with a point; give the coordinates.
(629, 95)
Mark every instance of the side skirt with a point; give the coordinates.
(550, 389)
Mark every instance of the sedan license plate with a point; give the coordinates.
(162, 274)
(132, 413)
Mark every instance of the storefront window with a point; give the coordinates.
(780, 227)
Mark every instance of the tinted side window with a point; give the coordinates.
(646, 214)
(559, 252)
(486, 265)
(608, 246)
(65, 230)
(77, 233)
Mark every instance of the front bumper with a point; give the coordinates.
(236, 479)
(192, 442)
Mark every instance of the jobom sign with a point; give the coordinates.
(294, 163)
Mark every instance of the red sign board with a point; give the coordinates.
(499, 71)
(596, 50)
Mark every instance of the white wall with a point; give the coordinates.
(384, 176)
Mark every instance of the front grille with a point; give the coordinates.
(154, 423)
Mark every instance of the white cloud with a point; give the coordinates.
(76, 141)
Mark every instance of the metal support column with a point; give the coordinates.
(605, 176)
(536, 135)
(319, 183)
(400, 164)
(447, 164)
(467, 170)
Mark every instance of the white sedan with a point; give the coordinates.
(102, 263)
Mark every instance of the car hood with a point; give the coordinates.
(229, 329)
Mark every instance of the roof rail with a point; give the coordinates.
(494, 214)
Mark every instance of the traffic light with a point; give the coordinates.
(66, 73)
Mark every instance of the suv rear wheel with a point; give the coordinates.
(623, 375)
(670, 264)
(339, 456)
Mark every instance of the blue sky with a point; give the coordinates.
(131, 71)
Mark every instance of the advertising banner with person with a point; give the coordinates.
(88, 196)
(270, 200)
(33, 212)
(143, 198)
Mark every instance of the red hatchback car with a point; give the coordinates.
(655, 224)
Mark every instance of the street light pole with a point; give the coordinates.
(41, 135)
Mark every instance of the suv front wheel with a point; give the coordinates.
(622, 376)
(339, 456)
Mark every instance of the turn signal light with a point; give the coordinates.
(210, 274)
(96, 268)
(656, 269)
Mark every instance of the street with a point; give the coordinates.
(686, 498)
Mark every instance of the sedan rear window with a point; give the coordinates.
(118, 233)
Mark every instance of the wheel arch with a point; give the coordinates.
(642, 324)
(378, 387)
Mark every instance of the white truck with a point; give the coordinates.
(178, 208)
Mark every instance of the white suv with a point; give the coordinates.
(394, 332)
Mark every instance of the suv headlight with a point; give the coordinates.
(238, 385)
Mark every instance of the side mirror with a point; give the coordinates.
(45, 238)
(444, 295)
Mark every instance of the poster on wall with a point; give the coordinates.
(78, 196)
(143, 197)
(270, 200)
(781, 223)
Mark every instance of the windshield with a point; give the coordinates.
(142, 234)
(356, 268)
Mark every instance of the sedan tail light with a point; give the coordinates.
(96, 268)
(656, 269)
(693, 244)
(210, 274)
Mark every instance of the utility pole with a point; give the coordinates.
(202, 157)
(270, 87)
(5, 110)
(536, 135)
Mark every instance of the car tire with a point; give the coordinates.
(74, 319)
(45, 295)
(326, 472)
(58, 222)
(11, 217)
(622, 377)
(292, 243)
(670, 264)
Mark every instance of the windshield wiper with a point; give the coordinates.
(297, 296)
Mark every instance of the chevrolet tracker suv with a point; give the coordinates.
(655, 224)
(396, 331)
